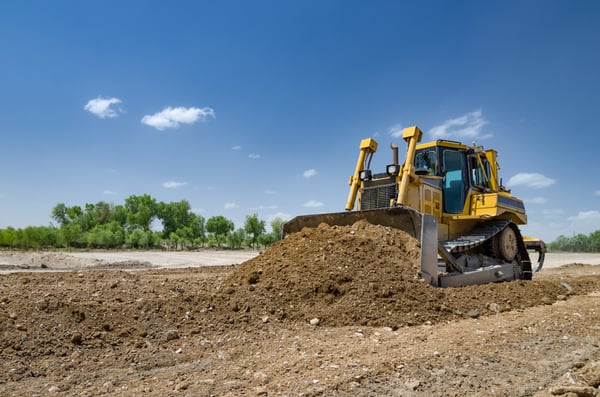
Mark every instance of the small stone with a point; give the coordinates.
(314, 321)
(261, 391)
(437, 354)
(265, 319)
(53, 389)
(579, 391)
(474, 313)
(494, 307)
(76, 338)
(172, 335)
(107, 386)
(412, 384)
(566, 286)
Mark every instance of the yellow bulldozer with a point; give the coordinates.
(448, 195)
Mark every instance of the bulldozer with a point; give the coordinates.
(449, 197)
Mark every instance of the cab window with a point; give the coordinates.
(425, 163)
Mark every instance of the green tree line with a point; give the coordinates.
(105, 225)
(577, 243)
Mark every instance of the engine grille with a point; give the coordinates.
(377, 194)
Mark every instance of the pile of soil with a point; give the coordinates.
(363, 274)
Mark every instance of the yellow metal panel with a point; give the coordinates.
(369, 143)
(410, 132)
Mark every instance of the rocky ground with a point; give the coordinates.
(328, 311)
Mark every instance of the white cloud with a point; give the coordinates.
(313, 204)
(253, 156)
(586, 216)
(171, 117)
(536, 200)
(310, 173)
(110, 192)
(230, 206)
(534, 180)
(173, 184)
(468, 126)
(396, 131)
(585, 222)
(237, 147)
(103, 107)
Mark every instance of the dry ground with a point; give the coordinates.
(329, 311)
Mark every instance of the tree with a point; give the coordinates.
(277, 227)
(236, 239)
(138, 238)
(268, 238)
(254, 227)
(59, 214)
(141, 211)
(220, 227)
(175, 216)
(201, 228)
(594, 241)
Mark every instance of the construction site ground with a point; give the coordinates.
(331, 311)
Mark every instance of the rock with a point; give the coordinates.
(591, 374)
(412, 384)
(566, 286)
(579, 391)
(314, 321)
(53, 389)
(76, 338)
(261, 377)
(494, 307)
(474, 313)
(172, 335)
(261, 391)
(107, 386)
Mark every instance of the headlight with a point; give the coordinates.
(365, 175)
(392, 169)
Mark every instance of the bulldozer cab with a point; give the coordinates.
(457, 169)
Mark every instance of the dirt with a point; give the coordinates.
(328, 311)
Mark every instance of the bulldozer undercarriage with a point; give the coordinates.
(493, 251)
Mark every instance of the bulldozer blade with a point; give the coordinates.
(423, 227)
(402, 218)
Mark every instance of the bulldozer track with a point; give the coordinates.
(476, 237)
(484, 233)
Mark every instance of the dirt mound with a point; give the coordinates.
(363, 275)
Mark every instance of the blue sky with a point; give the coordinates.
(245, 107)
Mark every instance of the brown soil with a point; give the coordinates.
(327, 311)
